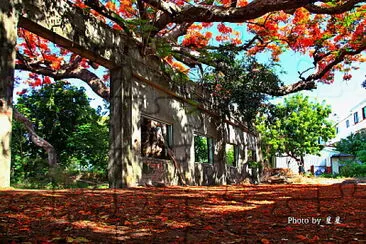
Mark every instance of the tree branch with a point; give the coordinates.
(36, 139)
(177, 31)
(67, 71)
(342, 54)
(202, 13)
(347, 6)
(101, 9)
(173, 13)
(295, 87)
(169, 8)
(243, 47)
(142, 10)
(233, 3)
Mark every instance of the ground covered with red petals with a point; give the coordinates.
(222, 214)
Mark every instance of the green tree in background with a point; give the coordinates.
(230, 155)
(61, 114)
(201, 149)
(293, 128)
(354, 144)
(244, 82)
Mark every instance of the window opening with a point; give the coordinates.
(231, 154)
(156, 137)
(203, 149)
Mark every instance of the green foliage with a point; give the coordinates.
(230, 155)
(361, 155)
(200, 149)
(330, 176)
(61, 114)
(308, 174)
(294, 127)
(353, 169)
(355, 144)
(244, 82)
(253, 164)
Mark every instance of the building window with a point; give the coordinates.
(347, 123)
(355, 117)
(337, 130)
(203, 149)
(156, 137)
(252, 156)
(232, 154)
(364, 112)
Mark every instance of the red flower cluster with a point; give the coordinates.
(347, 76)
(196, 39)
(224, 29)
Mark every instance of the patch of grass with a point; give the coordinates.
(58, 179)
(331, 176)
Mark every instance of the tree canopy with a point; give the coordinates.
(242, 83)
(355, 144)
(293, 128)
(185, 33)
(61, 114)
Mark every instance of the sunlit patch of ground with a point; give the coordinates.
(226, 214)
(297, 179)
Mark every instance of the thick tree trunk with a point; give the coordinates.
(219, 157)
(177, 167)
(301, 165)
(8, 37)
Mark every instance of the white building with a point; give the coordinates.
(353, 122)
(320, 162)
(328, 160)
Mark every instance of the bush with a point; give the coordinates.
(355, 144)
(325, 175)
(308, 174)
(353, 169)
(58, 178)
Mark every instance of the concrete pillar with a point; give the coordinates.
(124, 169)
(8, 37)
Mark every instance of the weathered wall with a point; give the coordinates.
(187, 120)
(74, 29)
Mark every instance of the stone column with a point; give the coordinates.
(123, 167)
(8, 38)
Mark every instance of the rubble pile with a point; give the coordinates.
(276, 176)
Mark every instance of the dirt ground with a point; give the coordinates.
(296, 179)
(284, 213)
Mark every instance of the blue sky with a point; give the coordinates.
(341, 95)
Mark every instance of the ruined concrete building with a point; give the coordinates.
(207, 151)
(151, 120)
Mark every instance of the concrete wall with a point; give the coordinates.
(187, 121)
(321, 160)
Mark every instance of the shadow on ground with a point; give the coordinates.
(236, 214)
